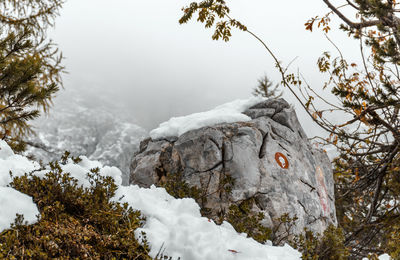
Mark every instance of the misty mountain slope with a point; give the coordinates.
(95, 129)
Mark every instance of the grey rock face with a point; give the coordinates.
(269, 159)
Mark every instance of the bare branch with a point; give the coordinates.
(347, 21)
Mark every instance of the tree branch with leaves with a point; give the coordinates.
(367, 102)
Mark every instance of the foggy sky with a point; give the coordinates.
(137, 55)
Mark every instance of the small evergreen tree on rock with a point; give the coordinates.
(266, 89)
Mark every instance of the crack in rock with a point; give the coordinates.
(215, 142)
(309, 185)
(210, 169)
(273, 129)
(307, 213)
(263, 150)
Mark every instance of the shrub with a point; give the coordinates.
(75, 222)
(393, 244)
(178, 188)
(242, 219)
(328, 246)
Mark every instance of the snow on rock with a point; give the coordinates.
(226, 113)
(176, 228)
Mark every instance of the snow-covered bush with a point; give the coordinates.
(77, 219)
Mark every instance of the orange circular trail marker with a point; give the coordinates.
(282, 160)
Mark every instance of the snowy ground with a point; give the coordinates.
(173, 226)
(176, 227)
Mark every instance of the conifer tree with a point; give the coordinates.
(30, 65)
(367, 171)
(266, 89)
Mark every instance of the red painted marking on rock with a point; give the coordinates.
(283, 164)
(322, 191)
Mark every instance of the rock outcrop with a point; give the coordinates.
(269, 159)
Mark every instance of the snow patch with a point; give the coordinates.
(80, 170)
(381, 257)
(13, 202)
(176, 228)
(227, 113)
(15, 163)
